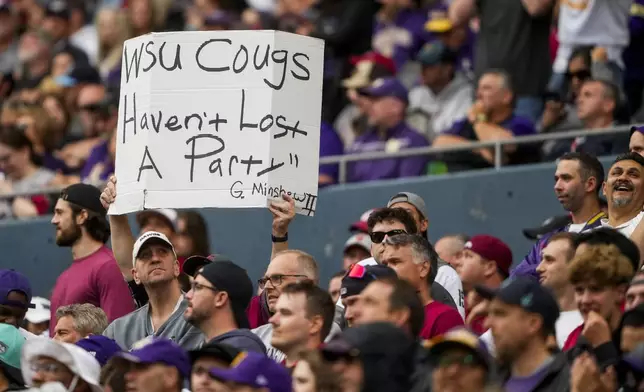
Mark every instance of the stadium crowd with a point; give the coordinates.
(158, 311)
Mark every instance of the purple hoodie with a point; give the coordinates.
(406, 34)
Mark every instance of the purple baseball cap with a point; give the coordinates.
(385, 87)
(11, 280)
(257, 371)
(101, 347)
(639, 129)
(153, 350)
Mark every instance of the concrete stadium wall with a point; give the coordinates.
(497, 203)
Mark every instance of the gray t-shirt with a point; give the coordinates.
(512, 40)
(135, 326)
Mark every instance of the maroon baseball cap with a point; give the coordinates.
(492, 248)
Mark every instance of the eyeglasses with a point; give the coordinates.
(378, 236)
(46, 367)
(276, 280)
(196, 286)
(455, 359)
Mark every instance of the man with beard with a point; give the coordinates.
(157, 269)
(217, 302)
(578, 179)
(624, 193)
(522, 315)
(94, 277)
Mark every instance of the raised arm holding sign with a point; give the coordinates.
(219, 119)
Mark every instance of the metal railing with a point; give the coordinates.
(343, 160)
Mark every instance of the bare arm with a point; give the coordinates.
(490, 132)
(283, 214)
(460, 11)
(122, 238)
(537, 7)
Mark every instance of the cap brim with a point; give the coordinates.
(485, 292)
(194, 264)
(440, 348)
(533, 234)
(220, 351)
(230, 374)
(441, 25)
(38, 316)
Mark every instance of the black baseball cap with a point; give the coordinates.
(58, 9)
(221, 351)
(227, 276)
(194, 263)
(84, 195)
(548, 226)
(528, 294)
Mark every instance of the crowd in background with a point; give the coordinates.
(159, 310)
(397, 74)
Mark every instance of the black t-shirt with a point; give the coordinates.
(512, 40)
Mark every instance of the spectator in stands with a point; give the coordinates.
(635, 292)
(356, 249)
(156, 267)
(93, 277)
(78, 321)
(636, 143)
(191, 238)
(491, 117)
(372, 357)
(335, 285)
(399, 31)
(553, 274)
(391, 300)
(15, 298)
(411, 258)
(460, 362)
(217, 302)
(209, 356)
(8, 41)
(485, 260)
(388, 133)
(354, 282)
(12, 341)
(313, 374)
(39, 127)
(458, 39)
(163, 220)
(253, 372)
(633, 60)
(578, 180)
(624, 191)
(445, 95)
(597, 103)
(102, 348)
(160, 365)
(302, 320)
(522, 315)
(113, 29)
(34, 52)
(23, 172)
(600, 275)
(514, 37)
(101, 162)
(330, 145)
(45, 361)
(57, 24)
(450, 247)
(37, 318)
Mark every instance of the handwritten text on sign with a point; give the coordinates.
(218, 119)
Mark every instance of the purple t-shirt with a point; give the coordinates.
(330, 145)
(402, 39)
(519, 126)
(527, 384)
(99, 156)
(397, 138)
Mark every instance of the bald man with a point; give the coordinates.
(450, 247)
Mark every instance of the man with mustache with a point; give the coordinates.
(578, 179)
(624, 191)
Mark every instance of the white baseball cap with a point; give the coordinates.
(149, 236)
(79, 361)
(42, 311)
(362, 240)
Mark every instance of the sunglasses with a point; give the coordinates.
(378, 236)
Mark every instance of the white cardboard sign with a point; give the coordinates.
(218, 119)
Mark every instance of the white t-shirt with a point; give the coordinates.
(628, 227)
(594, 22)
(446, 276)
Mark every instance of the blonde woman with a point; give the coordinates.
(113, 29)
